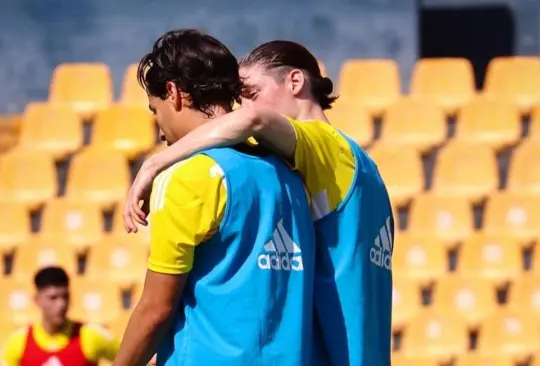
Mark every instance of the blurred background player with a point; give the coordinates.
(57, 340)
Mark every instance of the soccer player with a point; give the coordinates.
(232, 241)
(283, 107)
(57, 340)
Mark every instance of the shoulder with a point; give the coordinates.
(94, 332)
(320, 133)
(15, 344)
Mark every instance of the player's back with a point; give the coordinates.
(249, 296)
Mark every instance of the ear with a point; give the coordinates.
(173, 95)
(296, 81)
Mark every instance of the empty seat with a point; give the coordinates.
(27, 177)
(352, 119)
(446, 217)
(406, 301)
(401, 170)
(534, 127)
(466, 170)
(14, 225)
(524, 175)
(421, 258)
(475, 359)
(373, 83)
(513, 214)
(473, 298)
(449, 82)
(133, 93)
(118, 326)
(80, 223)
(99, 176)
(128, 130)
(17, 301)
(516, 79)
(85, 87)
(94, 302)
(414, 123)
(400, 359)
(51, 128)
(491, 122)
(525, 294)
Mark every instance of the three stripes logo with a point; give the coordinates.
(284, 254)
(381, 251)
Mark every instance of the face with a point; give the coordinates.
(54, 303)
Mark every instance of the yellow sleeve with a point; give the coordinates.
(186, 207)
(98, 343)
(12, 353)
(325, 160)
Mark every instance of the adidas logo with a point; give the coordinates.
(286, 255)
(53, 361)
(381, 252)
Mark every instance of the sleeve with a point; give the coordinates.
(12, 352)
(187, 205)
(98, 343)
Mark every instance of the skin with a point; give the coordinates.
(53, 301)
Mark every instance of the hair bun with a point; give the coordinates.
(327, 86)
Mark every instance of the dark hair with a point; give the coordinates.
(51, 276)
(198, 63)
(287, 55)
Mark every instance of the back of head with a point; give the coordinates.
(283, 56)
(51, 277)
(197, 63)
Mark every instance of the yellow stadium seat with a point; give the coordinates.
(535, 359)
(14, 225)
(525, 294)
(118, 326)
(448, 218)
(473, 298)
(85, 87)
(516, 79)
(494, 257)
(54, 129)
(352, 119)
(27, 177)
(418, 257)
(99, 176)
(93, 302)
(435, 335)
(141, 237)
(475, 359)
(133, 93)
(40, 252)
(406, 301)
(508, 332)
(534, 128)
(80, 223)
(17, 301)
(399, 359)
(128, 130)
(513, 214)
(118, 261)
(522, 177)
(490, 122)
(414, 123)
(466, 170)
(449, 82)
(401, 170)
(373, 83)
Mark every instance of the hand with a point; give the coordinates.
(139, 191)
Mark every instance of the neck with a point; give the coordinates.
(52, 328)
(216, 112)
(310, 110)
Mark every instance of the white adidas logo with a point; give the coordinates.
(381, 252)
(287, 255)
(53, 361)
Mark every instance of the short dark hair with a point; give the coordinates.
(198, 63)
(51, 276)
(283, 56)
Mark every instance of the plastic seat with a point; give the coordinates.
(513, 214)
(133, 94)
(474, 359)
(352, 119)
(497, 258)
(413, 123)
(51, 128)
(419, 257)
(17, 301)
(406, 301)
(516, 79)
(448, 82)
(534, 127)
(27, 177)
(373, 83)
(118, 261)
(490, 122)
(94, 302)
(525, 294)
(78, 222)
(107, 188)
(435, 335)
(14, 225)
(522, 178)
(466, 170)
(401, 170)
(473, 298)
(118, 326)
(85, 87)
(128, 130)
(448, 218)
(399, 359)
(508, 332)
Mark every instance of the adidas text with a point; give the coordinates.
(380, 253)
(283, 254)
(280, 261)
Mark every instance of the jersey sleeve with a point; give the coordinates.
(13, 350)
(98, 343)
(186, 207)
